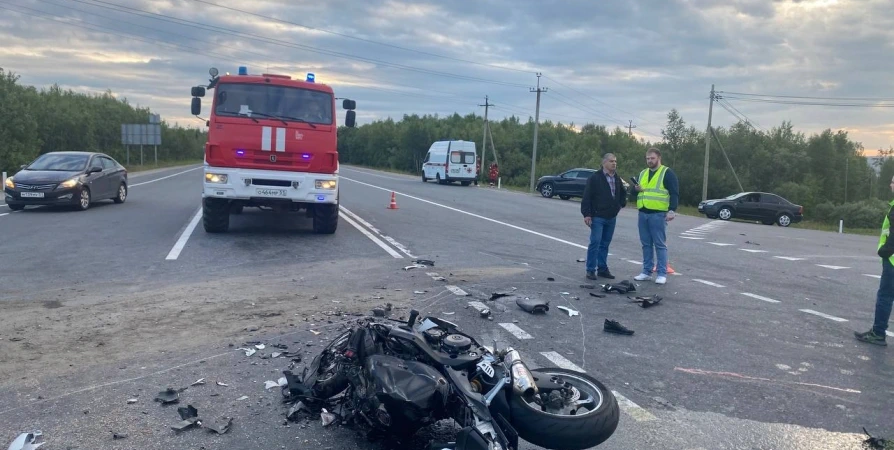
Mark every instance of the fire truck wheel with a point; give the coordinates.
(215, 215)
(325, 218)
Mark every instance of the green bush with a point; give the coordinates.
(863, 214)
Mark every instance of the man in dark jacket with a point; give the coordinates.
(604, 197)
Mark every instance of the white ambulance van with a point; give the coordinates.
(449, 161)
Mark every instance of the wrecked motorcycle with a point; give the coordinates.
(397, 377)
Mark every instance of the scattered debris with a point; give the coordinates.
(248, 351)
(593, 294)
(550, 279)
(26, 441)
(295, 409)
(874, 443)
(439, 278)
(260, 346)
(419, 292)
(571, 312)
(131, 401)
(533, 306)
(425, 262)
(499, 294)
(168, 396)
(588, 286)
(581, 259)
(751, 243)
(189, 417)
(117, 436)
(612, 326)
(220, 425)
(327, 417)
(244, 397)
(564, 293)
(198, 382)
(415, 266)
(647, 302)
(378, 312)
(485, 313)
(222, 384)
(621, 288)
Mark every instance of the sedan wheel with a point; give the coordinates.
(547, 190)
(725, 214)
(122, 194)
(84, 200)
(784, 220)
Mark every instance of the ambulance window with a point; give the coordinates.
(469, 158)
(456, 157)
(427, 157)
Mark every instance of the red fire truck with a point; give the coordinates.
(272, 145)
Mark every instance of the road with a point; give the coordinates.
(751, 347)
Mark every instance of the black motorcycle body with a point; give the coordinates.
(398, 377)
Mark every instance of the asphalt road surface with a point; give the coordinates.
(751, 347)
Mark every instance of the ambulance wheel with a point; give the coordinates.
(424, 180)
(325, 218)
(215, 215)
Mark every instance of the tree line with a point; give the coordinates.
(826, 172)
(34, 122)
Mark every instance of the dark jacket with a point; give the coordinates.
(598, 200)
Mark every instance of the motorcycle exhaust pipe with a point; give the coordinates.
(522, 379)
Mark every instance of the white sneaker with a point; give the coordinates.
(661, 280)
(642, 277)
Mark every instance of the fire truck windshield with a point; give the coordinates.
(280, 102)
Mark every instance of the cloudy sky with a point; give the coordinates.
(603, 61)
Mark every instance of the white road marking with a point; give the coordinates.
(790, 258)
(390, 240)
(165, 178)
(889, 333)
(720, 244)
(709, 283)
(478, 305)
(833, 267)
(817, 313)
(378, 241)
(768, 300)
(635, 411)
(873, 276)
(4, 214)
(750, 250)
(690, 237)
(634, 261)
(516, 331)
(457, 291)
(376, 175)
(3, 205)
(471, 214)
(187, 232)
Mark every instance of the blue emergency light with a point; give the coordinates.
(243, 70)
(310, 77)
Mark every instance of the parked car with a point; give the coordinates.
(67, 178)
(566, 184)
(765, 207)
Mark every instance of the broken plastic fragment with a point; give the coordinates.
(244, 397)
(199, 381)
(248, 351)
(131, 401)
(222, 384)
(571, 312)
(270, 384)
(220, 425)
(327, 417)
(168, 396)
(425, 262)
(533, 306)
(26, 441)
(315, 332)
(260, 346)
(275, 354)
(295, 409)
(414, 266)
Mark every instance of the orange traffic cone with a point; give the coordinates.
(393, 204)
(670, 270)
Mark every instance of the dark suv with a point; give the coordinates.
(767, 208)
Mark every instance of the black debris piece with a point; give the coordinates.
(117, 436)
(425, 262)
(189, 416)
(874, 443)
(220, 425)
(168, 396)
(379, 312)
(485, 313)
(187, 412)
(612, 326)
(647, 302)
(500, 294)
(533, 306)
(588, 286)
(581, 259)
(622, 288)
(593, 294)
(550, 279)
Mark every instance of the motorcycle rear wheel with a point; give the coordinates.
(560, 430)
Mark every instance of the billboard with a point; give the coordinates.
(141, 134)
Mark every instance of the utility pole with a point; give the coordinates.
(536, 126)
(486, 105)
(630, 128)
(708, 146)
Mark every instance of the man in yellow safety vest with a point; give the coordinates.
(885, 296)
(658, 192)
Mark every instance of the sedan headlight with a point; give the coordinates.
(9, 183)
(325, 184)
(70, 183)
(218, 178)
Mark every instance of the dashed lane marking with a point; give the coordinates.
(690, 237)
(371, 237)
(824, 315)
(709, 283)
(790, 258)
(751, 250)
(720, 244)
(759, 297)
(390, 240)
(635, 411)
(871, 275)
(516, 331)
(184, 237)
(833, 267)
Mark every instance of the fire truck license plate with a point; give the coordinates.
(272, 192)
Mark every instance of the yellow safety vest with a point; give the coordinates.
(654, 195)
(886, 229)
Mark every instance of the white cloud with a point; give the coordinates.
(607, 62)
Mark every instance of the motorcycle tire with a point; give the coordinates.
(569, 432)
(327, 385)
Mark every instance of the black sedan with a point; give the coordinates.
(767, 208)
(67, 179)
(566, 184)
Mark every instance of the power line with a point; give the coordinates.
(167, 18)
(811, 103)
(806, 97)
(363, 39)
(596, 100)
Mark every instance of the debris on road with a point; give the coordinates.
(593, 294)
(874, 443)
(220, 425)
(198, 382)
(621, 288)
(581, 259)
(26, 441)
(571, 312)
(533, 306)
(588, 286)
(425, 262)
(415, 266)
(612, 326)
(118, 436)
(131, 401)
(189, 417)
(645, 301)
(327, 417)
(168, 396)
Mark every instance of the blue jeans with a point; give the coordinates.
(884, 298)
(652, 236)
(601, 232)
